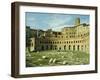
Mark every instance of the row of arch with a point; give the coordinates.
(64, 47)
(61, 42)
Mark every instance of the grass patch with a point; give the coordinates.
(54, 58)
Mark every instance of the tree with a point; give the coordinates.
(28, 36)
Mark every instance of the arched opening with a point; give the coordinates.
(78, 47)
(59, 48)
(81, 47)
(55, 47)
(69, 47)
(64, 47)
(73, 47)
(46, 47)
(51, 47)
(42, 47)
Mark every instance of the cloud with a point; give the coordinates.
(59, 28)
(60, 21)
(55, 21)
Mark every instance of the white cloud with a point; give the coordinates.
(57, 22)
(59, 28)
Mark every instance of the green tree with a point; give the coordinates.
(28, 36)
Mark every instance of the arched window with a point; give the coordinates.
(78, 41)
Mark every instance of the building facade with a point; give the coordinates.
(74, 38)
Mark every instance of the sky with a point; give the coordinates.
(54, 21)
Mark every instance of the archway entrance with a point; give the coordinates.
(69, 47)
(73, 47)
(64, 47)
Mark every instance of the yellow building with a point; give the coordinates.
(75, 38)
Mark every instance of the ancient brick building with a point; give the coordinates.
(69, 38)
